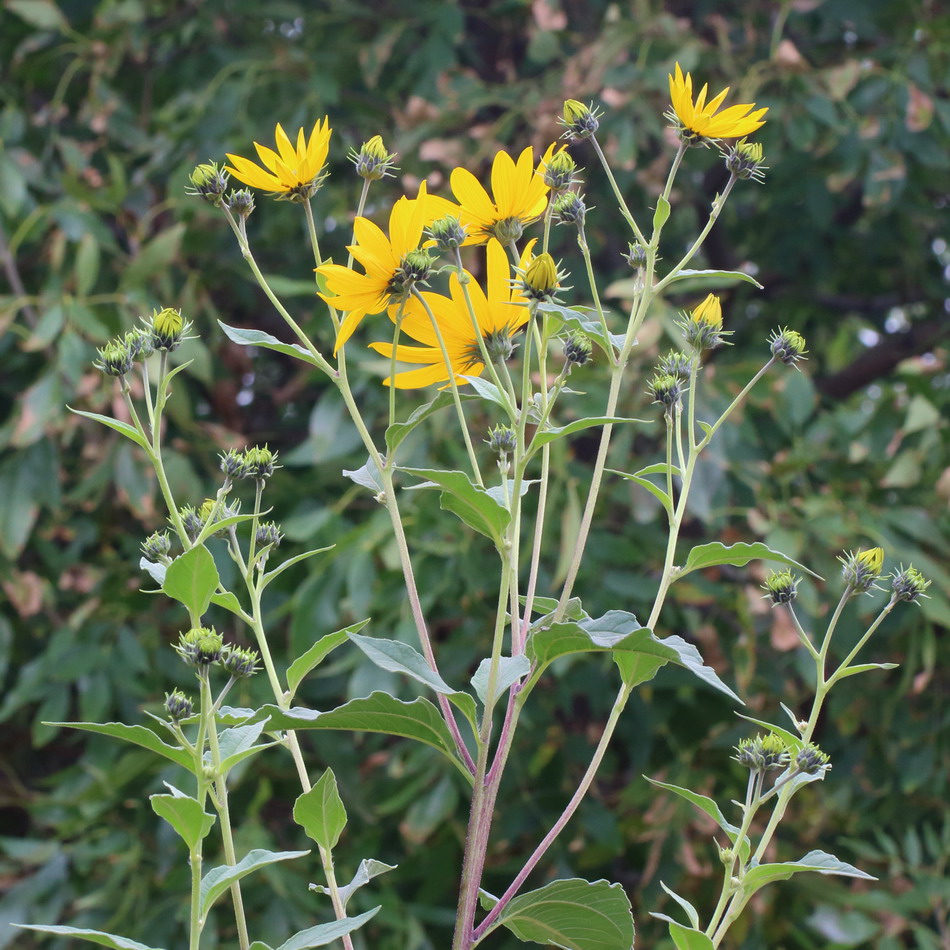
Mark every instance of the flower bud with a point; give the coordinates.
(208, 181)
(115, 358)
(372, 161)
(781, 587)
(727, 855)
(703, 325)
(579, 121)
(259, 462)
(569, 208)
(208, 507)
(666, 390)
(909, 584)
(448, 233)
(168, 329)
(676, 364)
(139, 342)
(811, 760)
(787, 345)
(240, 662)
(578, 348)
(762, 754)
(502, 441)
(636, 255)
(233, 464)
(200, 646)
(540, 279)
(744, 160)
(178, 706)
(268, 534)
(861, 570)
(191, 521)
(499, 345)
(241, 203)
(416, 266)
(157, 546)
(559, 171)
(507, 230)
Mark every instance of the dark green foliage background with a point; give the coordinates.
(105, 107)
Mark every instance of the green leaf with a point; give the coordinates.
(138, 735)
(317, 653)
(709, 555)
(219, 879)
(367, 476)
(662, 213)
(320, 812)
(703, 803)
(399, 430)
(686, 938)
(379, 712)
(793, 741)
(237, 743)
(574, 320)
(192, 580)
(226, 599)
(721, 278)
(865, 668)
(322, 934)
(510, 670)
(93, 936)
(572, 914)
(248, 337)
(368, 869)
(819, 861)
(42, 14)
(474, 505)
(290, 562)
(655, 490)
(185, 815)
(549, 435)
(685, 904)
(121, 427)
(489, 391)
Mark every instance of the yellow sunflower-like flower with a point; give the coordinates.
(391, 264)
(292, 172)
(701, 119)
(496, 309)
(519, 195)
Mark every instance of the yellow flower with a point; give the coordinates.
(386, 278)
(519, 196)
(873, 560)
(496, 310)
(702, 118)
(708, 312)
(290, 172)
(540, 278)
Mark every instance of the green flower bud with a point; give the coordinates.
(569, 208)
(233, 464)
(240, 662)
(178, 706)
(636, 255)
(191, 521)
(666, 390)
(781, 587)
(507, 230)
(744, 160)
(909, 584)
(558, 174)
(241, 203)
(676, 364)
(578, 348)
(540, 279)
(259, 462)
(115, 358)
(861, 570)
(502, 441)
(448, 233)
(579, 121)
(200, 646)
(416, 266)
(168, 329)
(787, 345)
(139, 342)
(157, 546)
(811, 760)
(268, 534)
(372, 161)
(762, 754)
(499, 344)
(208, 181)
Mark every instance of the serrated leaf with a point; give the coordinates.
(248, 337)
(93, 936)
(510, 670)
(368, 869)
(379, 712)
(192, 579)
(317, 654)
(320, 812)
(474, 505)
(723, 278)
(323, 934)
(662, 213)
(399, 430)
(185, 815)
(818, 861)
(137, 735)
(123, 428)
(219, 879)
(738, 555)
(572, 914)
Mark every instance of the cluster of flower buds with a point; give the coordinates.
(372, 161)
(163, 330)
(781, 587)
(204, 647)
(861, 570)
(763, 753)
(579, 121)
(257, 462)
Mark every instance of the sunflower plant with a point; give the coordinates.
(496, 332)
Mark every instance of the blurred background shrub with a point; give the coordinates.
(104, 109)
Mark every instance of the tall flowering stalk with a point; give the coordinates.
(511, 343)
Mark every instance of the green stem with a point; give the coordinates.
(622, 204)
(595, 295)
